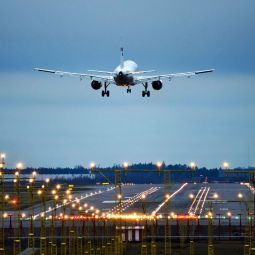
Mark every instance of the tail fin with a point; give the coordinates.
(122, 57)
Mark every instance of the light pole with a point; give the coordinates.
(219, 225)
(125, 165)
(210, 230)
(229, 215)
(17, 215)
(159, 165)
(30, 189)
(2, 201)
(43, 241)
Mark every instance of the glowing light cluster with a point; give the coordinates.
(132, 200)
(167, 199)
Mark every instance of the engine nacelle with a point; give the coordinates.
(157, 85)
(96, 85)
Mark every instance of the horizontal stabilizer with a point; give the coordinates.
(99, 71)
(142, 72)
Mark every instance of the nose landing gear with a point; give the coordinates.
(128, 90)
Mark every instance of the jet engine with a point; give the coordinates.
(96, 85)
(157, 85)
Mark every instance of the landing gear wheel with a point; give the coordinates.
(105, 91)
(146, 93)
(128, 90)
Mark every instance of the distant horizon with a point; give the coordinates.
(130, 166)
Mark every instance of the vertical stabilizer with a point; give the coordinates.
(121, 57)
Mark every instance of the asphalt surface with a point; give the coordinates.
(152, 199)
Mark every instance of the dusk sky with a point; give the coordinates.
(56, 122)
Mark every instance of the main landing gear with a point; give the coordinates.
(146, 92)
(105, 92)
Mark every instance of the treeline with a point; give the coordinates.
(138, 173)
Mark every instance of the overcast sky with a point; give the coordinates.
(51, 121)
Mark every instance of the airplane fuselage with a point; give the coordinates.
(124, 76)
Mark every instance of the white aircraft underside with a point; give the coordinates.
(125, 75)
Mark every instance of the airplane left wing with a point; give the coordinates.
(106, 78)
(139, 79)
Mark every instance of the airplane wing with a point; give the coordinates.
(106, 78)
(139, 79)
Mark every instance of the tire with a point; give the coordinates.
(143, 93)
(108, 93)
(148, 93)
(103, 93)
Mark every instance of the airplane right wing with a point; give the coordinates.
(140, 79)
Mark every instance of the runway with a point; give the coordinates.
(183, 199)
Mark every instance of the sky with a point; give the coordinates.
(56, 122)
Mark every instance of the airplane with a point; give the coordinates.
(126, 75)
